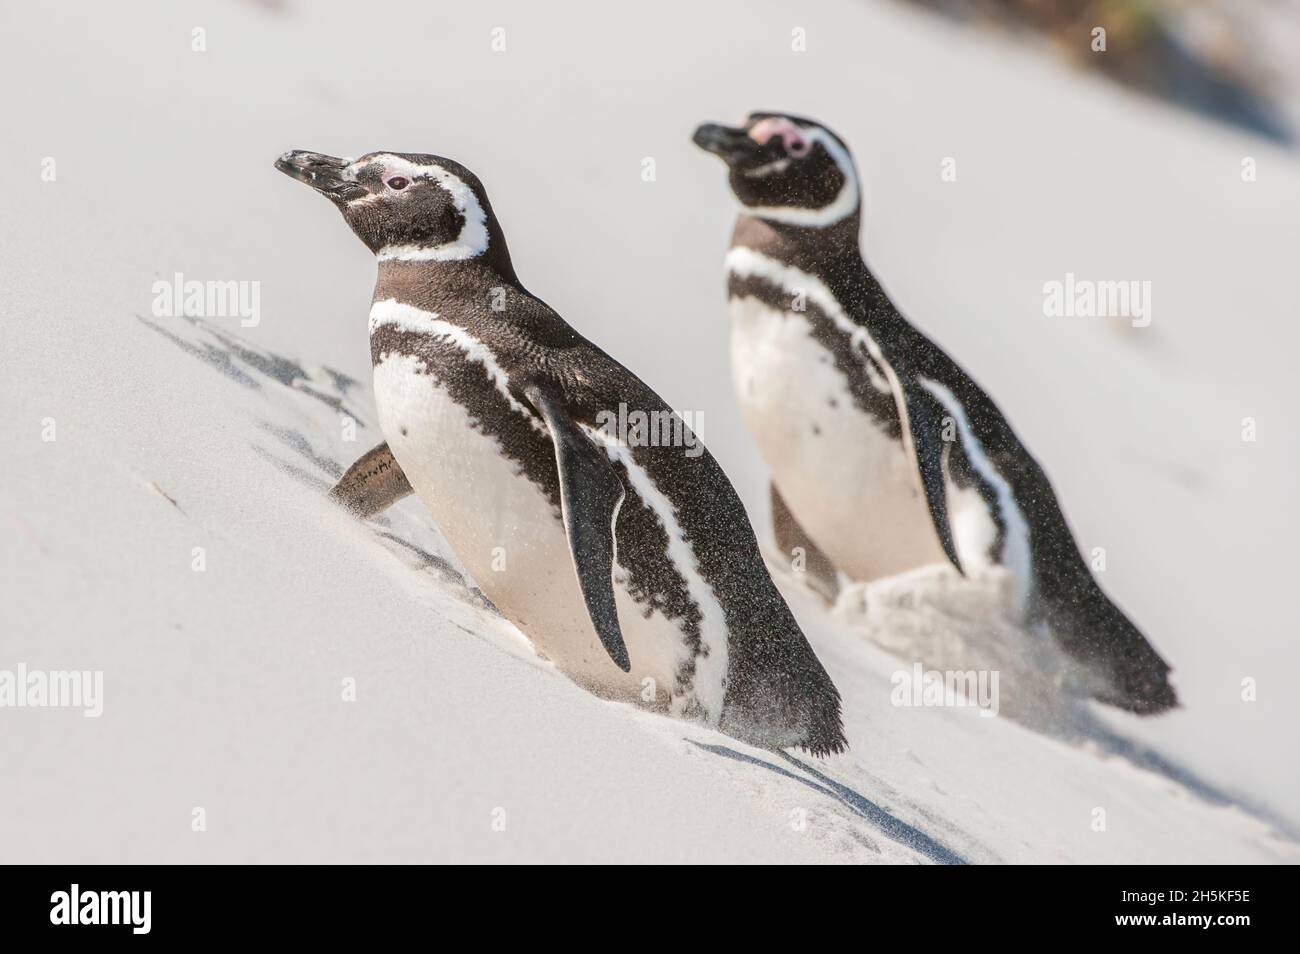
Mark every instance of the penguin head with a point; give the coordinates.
(403, 206)
(786, 168)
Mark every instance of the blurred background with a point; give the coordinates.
(1230, 61)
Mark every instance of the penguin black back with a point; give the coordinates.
(804, 300)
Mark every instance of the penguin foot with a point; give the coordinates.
(372, 484)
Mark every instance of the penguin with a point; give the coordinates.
(885, 455)
(630, 564)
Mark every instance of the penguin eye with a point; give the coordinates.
(798, 148)
(398, 183)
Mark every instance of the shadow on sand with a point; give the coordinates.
(864, 808)
(1086, 729)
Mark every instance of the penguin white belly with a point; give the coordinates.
(847, 482)
(511, 540)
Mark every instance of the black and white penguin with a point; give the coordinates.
(630, 564)
(885, 455)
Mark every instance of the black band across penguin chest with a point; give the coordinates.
(466, 370)
(865, 382)
(823, 409)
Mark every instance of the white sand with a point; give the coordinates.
(222, 688)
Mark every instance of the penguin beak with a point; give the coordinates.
(325, 174)
(728, 143)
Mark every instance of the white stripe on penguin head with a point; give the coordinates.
(843, 205)
(473, 238)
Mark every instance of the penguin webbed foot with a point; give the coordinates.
(372, 484)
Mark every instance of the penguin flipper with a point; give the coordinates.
(372, 484)
(590, 496)
(922, 418)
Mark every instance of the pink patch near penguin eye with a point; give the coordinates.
(792, 138)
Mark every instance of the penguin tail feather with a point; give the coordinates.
(797, 707)
(816, 710)
(823, 744)
(825, 731)
(1131, 674)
